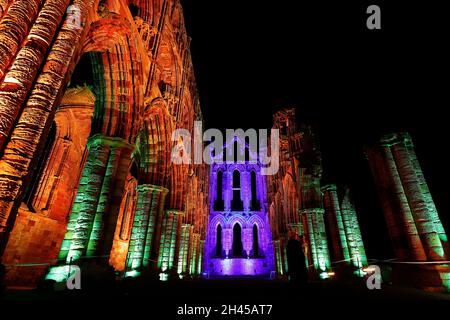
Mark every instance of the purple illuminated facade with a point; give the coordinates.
(238, 241)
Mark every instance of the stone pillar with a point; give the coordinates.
(201, 254)
(33, 124)
(414, 225)
(94, 205)
(413, 222)
(278, 258)
(170, 240)
(317, 238)
(422, 206)
(4, 6)
(16, 23)
(186, 263)
(19, 78)
(195, 245)
(353, 233)
(429, 200)
(284, 254)
(400, 223)
(144, 240)
(227, 240)
(335, 224)
(184, 249)
(247, 239)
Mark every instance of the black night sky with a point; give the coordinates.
(252, 58)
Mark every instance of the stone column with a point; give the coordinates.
(109, 222)
(412, 218)
(19, 78)
(201, 254)
(33, 124)
(184, 249)
(247, 239)
(439, 228)
(335, 224)
(423, 211)
(400, 222)
(353, 233)
(277, 251)
(186, 263)
(170, 240)
(4, 6)
(195, 243)
(103, 204)
(15, 22)
(145, 232)
(92, 205)
(317, 238)
(227, 240)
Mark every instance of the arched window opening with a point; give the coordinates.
(236, 151)
(134, 10)
(219, 241)
(237, 204)
(255, 202)
(83, 74)
(247, 149)
(236, 179)
(163, 87)
(134, 171)
(255, 241)
(237, 240)
(219, 204)
(38, 171)
(219, 185)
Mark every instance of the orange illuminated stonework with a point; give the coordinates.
(88, 102)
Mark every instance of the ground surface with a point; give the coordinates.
(162, 300)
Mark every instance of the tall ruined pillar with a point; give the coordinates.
(95, 208)
(407, 203)
(427, 221)
(183, 256)
(144, 244)
(170, 240)
(201, 254)
(343, 225)
(335, 224)
(353, 232)
(317, 238)
(37, 30)
(414, 226)
(25, 124)
(278, 257)
(195, 242)
(400, 222)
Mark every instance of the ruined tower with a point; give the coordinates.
(239, 241)
(299, 208)
(413, 223)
